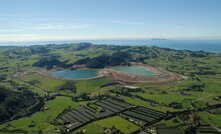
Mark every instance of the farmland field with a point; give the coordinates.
(96, 105)
(120, 123)
(42, 119)
(90, 85)
(110, 67)
(211, 119)
(46, 83)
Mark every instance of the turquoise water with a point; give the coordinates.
(75, 74)
(134, 70)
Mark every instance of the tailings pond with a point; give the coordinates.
(136, 70)
(75, 74)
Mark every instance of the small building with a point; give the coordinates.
(132, 88)
(77, 66)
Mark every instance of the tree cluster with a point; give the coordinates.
(102, 61)
(13, 103)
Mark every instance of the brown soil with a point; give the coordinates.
(162, 77)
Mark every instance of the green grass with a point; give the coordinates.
(42, 118)
(33, 88)
(120, 123)
(138, 102)
(174, 122)
(103, 90)
(90, 129)
(46, 83)
(90, 85)
(211, 90)
(164, 98)
(212, 83)
(212, 119)
(19, 62)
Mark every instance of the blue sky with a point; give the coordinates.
(42, 20)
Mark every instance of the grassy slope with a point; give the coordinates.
(33, 88)
(46, 83)
(42, 118)
(211, 90)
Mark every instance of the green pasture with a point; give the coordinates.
(90, 86)
(118, 122)
(212, 119)
(42, 119)
(46, 83)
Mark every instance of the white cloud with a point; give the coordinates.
(11, 30)
(27, 27)
(124, 22)
(39, 37)
(58, 26)
(20, 37)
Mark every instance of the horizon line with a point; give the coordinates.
(41, 38)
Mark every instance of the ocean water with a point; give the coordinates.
(193, 45)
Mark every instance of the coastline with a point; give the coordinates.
(207, 45)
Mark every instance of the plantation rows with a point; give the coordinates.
(143, 116)
(113, 106)
(82, 115)
(78, 117)
(169, 131)
(205, 129)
